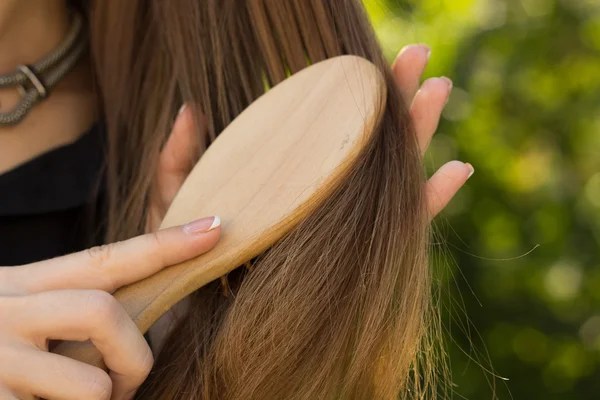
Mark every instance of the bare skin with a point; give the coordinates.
(69, 111)
(68, 298)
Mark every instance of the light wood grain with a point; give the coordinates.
(271, 167)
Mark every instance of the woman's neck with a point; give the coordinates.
(29, 30)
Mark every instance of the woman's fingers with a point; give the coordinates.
(176, 160)
(7, 394)
(112, 266)
(426, 103)
(77, 315)
(50, 376)
(179, 154)
(444, 184)
(408, 68)
(427, 107)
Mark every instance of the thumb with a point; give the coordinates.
(175, 162)
(178, 156)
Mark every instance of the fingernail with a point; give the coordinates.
(448, 81)
(427, 50)
(472, 170)
(181, 109)
(202, 225)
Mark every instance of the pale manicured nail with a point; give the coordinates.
(427, 50)
(202, 225)
(181, 109)
(448, 81)
(472, 170)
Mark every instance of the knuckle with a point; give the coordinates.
(99, 386)
(143, 366)
(155, 239)
(103, 309)
(100, 255)
(156, 244)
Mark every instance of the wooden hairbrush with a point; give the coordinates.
(271, 167)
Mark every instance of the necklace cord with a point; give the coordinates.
(36, 81)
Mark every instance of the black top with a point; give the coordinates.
(51, 205)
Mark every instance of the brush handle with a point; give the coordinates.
(270, 168)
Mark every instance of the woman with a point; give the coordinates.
(51, 159)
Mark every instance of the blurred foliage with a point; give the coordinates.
(525, 112)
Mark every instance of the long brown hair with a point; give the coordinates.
(339, 308)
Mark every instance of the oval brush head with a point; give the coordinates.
(271, 167)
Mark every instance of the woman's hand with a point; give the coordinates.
(178, 157)
(426, 105)
(68, 298)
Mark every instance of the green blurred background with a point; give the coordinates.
(526, 113)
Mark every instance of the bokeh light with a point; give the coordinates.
(521, 241)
